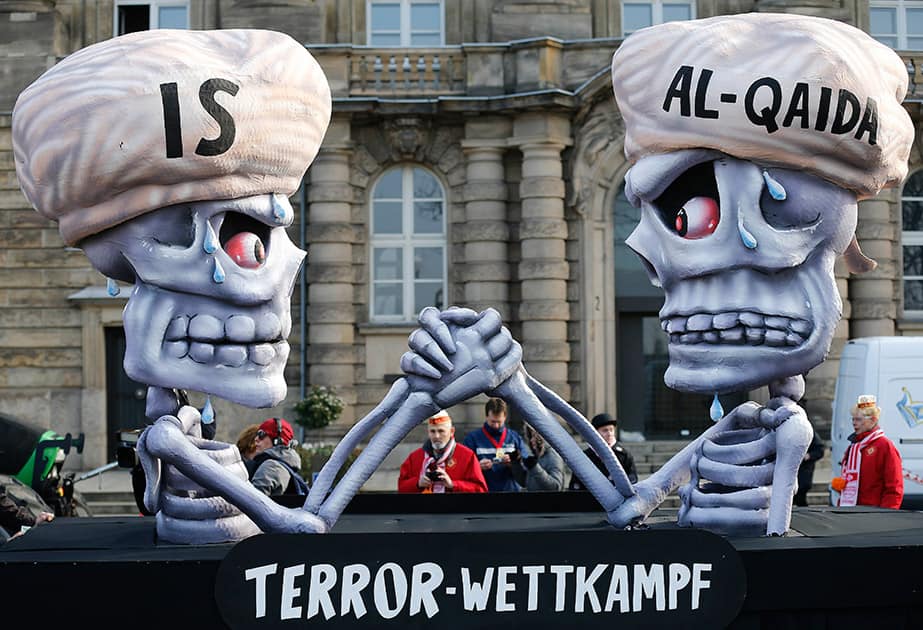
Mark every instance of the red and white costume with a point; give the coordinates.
(871, 468)
(458, 461)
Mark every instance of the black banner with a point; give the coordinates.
(604, 579)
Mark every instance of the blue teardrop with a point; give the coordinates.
(279, 212)
(208, 412)
(776, 191)
(210, 243)
(112, 288)
(748, 239)
(218, 276)
(716, 411)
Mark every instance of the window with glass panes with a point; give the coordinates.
(408, 244)
(403, 23)
(638, 15)
(912, 243)
(131, 17)
(897, 23)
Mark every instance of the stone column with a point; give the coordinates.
(487, 272)
(331, 354)
(543, 268)
(872, 294)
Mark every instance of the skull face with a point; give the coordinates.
(211, 306)
(745, 256)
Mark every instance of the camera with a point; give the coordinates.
(515, 455)
(125, 454)
(433, 475)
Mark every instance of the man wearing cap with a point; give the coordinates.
(441, 465)
(276, 462)
(493, 443)
(607, 427)
(870, 471)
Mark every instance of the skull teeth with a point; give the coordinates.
(737, 328)
(230, 355)
(236, 330)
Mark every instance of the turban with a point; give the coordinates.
(789, 90)
(162, 117)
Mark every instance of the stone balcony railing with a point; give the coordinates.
(469, 69)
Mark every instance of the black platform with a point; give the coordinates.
(838, 568)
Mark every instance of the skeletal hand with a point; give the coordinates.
(457, 354)
(744, 470)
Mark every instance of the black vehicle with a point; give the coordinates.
(35, 457)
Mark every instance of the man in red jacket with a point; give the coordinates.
(871, 467)
(441, 465)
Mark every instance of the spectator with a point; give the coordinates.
(607, 427)
(246, 444)
(493, 443)
(276, 460)
(806, 469)
(14, 514)
(441, 465)
(544, 470)
(870, 471)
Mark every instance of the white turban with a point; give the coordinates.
(795, 91)
(161, 117)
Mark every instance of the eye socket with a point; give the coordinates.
(690, 206)
(697, 218)
(246, 249)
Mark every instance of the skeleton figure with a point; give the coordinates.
(743, 248)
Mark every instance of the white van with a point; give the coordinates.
(891, 368)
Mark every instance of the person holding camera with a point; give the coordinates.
(275, 461)
(543, 471)
(494, 444)
(441, 465)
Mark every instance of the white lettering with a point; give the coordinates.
(289, 592)
(560, 586)
(503, 588)
(533, 571)
(618, 589)
(258, 575)
(355, 578)
(323, 578)
(399, 581)
(475, 593)
(678, 580)
(584, 587)
(648, 584)
(698, 584)
(421, 591)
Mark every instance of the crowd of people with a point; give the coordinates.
(496, 458)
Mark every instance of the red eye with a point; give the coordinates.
(697, 218)
(246, 249)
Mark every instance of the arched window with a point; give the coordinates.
(408, 252)
(912, 243)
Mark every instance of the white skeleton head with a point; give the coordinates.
(745, 256)
(210, 310)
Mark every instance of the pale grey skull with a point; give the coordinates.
(748, 276)
(211, 307)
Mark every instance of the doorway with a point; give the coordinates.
(125, 398)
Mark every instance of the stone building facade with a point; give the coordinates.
(498, 139)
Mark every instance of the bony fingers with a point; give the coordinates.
(500, 344)
(488, 324)
(423, 343)
(412, 363)
(431, 321)
(459, 316)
